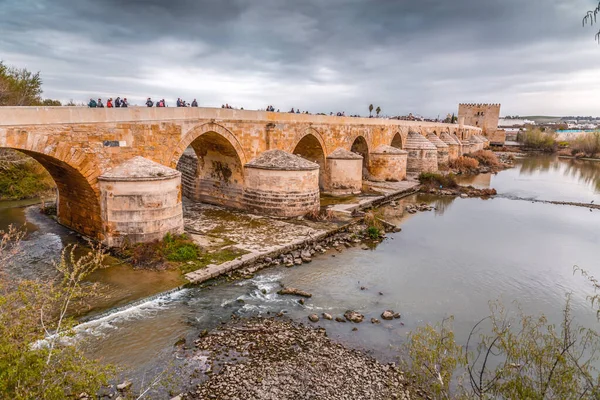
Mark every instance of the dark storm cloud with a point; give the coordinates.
(420, 56)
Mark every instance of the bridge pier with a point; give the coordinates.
(281, 184)
(343, 175)
(422, 154)
(388, 163)
(140, 201)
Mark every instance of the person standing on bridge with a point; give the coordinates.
(109, 103)
(100, 104)
(118, 102)
(92, 103)
(149, 102)
(124, 102)
(194, 103)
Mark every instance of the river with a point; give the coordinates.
(451, 261)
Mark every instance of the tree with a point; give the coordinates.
(378, 110)
(19, 87)
(36, 362)
(370, 110)
(590, 17)
(51, 103)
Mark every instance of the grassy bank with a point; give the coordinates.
(175, 251)
(23, 178)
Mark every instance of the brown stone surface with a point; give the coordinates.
(342, 154)
(78, 144)
(422, 154)
(139, 168)
(442, 148)
(388, 164)
(281, 160)
(453, 146)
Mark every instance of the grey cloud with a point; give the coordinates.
(407, 56)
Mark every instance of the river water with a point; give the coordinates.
(452, 261)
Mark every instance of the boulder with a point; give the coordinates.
(313, 318)
(294, 292)
(354, 316)
(340, 319)
(387, 315)
(375, 321)
(327, 316)
(124, 386)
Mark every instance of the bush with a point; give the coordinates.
(464, 164)
(22, 177)
(174, 248)
(29, 312)
(536, 139)
(434, 180)
(588, 144)
(373, 232)
(486, 158)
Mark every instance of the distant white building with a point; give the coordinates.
(513, 123)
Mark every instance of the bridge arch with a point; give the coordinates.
(78, 201)
(360, 146)
(312, 147)
(212, 166)
(397, 141)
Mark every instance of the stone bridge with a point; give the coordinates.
(116, 169)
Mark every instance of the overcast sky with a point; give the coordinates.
(419, 56)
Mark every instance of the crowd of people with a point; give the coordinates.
(118, 102)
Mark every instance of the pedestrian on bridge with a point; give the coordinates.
(92, 103)
(149, 102)
(194, 103)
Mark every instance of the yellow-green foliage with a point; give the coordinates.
(22, 177)
(536, 139)
(588, 144)
(434, 359)
(29, 311)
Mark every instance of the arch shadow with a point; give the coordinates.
(311, 148)
(397, 141)
(78, 202)
(212, 167)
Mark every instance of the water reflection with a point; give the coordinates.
(545, 178)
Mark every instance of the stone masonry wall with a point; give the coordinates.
(281, 193)
(188, 165)
(388, 167)
(81, 143)
(343, 177)
(422, 161)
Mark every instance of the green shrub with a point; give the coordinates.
(587, 144)
(536, 139)
(22, 177)
(431, 179)
(373, 232)
(183, 252)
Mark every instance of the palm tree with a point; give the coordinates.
(370, 110)
(378, 110)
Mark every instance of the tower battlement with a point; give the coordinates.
(482, 115)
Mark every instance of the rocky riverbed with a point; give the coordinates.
(274, 358)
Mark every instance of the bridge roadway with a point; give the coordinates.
(95, 157)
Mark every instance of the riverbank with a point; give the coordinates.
(269, 242)
(274, 358)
